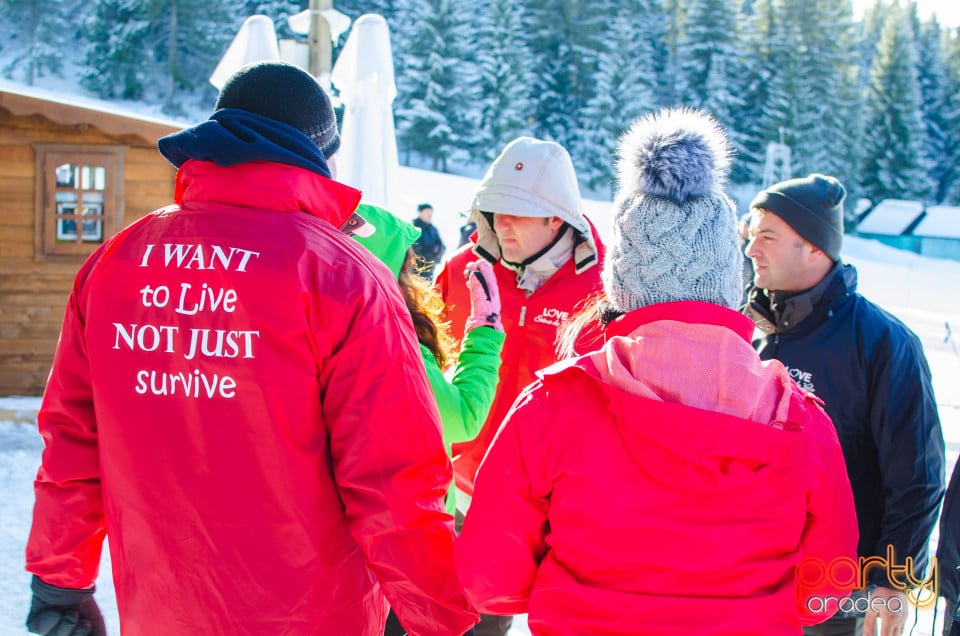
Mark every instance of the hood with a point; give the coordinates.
(232, 136)
(391, 239)
(532, 178)
(716, 404)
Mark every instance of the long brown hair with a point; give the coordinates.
(584, 331)
(427, 310)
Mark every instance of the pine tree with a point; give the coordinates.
(931, 74)
(43, 29)
(833, 144)
(505, 78)
(116, 33)
(950, 177)
(186, 40)
(708, 40)
(437, 88)
(566, 38)
(757, 39)
(810, 99)
(625, 89)
(668, 62)
(893, 165)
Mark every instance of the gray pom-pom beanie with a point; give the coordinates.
(675, 229)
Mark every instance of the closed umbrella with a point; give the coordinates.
(363, 74)
(256, 41)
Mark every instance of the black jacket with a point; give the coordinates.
(871, 373)
(429, 246)
(948, 549)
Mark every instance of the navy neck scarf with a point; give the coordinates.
(232, 136)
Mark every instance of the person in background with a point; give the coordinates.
(221, 407)
(871, 373)
(948, 554)
(466, 231)
(669, 482)
(429, 247)
(544, 255)
(465, 398)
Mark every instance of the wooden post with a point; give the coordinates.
(321, 47)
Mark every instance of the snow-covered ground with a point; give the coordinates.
(924, 293)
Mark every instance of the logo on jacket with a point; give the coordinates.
(803, 378)
(550, 316)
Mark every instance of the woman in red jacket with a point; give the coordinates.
(669, 482)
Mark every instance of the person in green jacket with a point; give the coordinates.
(464, 399)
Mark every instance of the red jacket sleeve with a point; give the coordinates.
(830, 534)
(498, 568)
(68, 521)
(390, 464)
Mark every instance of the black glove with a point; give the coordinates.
(61, 611)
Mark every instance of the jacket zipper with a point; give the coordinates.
(523, 314)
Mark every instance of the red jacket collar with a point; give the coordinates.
(688, 311)
(271, 186)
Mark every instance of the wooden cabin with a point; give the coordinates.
(72, 173)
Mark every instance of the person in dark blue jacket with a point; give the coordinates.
(872, 375)
(429, 248)
(948, 554)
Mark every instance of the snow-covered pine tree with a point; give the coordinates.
(436, 92)
(893, 164)
(789, 112)
(931, 74)
(757, 40)
(504, 67)
(42, 31)
(811, 93)
(833, 146)
(670, 86)
(709, 38)
(565, 40)
(870, 27)
(185, 42)
(116, 33)
(625, 90)
(951, 117)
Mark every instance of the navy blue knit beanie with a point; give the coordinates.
(287, 94)
(812, 206)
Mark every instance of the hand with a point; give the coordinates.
(890, 608)
(484, 296)
(61, 611)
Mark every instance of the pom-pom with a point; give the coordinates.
(676, 154)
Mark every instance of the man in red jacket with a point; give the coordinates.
(222, 409)
(545, 255)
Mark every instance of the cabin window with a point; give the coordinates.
(79, 198)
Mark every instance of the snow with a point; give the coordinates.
(923, 292)
(941, 221)
(890, 217)
(90, 103)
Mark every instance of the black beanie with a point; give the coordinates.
(287, 94)
(812, 206)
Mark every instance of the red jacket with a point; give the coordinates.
(224, 406)
(669, 483)
(531, 324)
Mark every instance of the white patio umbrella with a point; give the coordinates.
(256, 41)
(363, 74)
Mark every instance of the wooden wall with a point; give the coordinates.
(33, 293)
